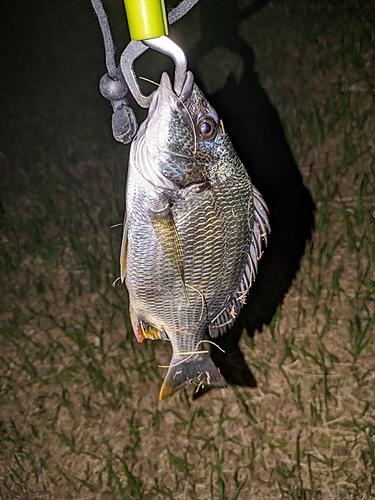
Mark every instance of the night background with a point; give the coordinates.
(80, 416)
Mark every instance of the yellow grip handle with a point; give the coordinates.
(146, 18)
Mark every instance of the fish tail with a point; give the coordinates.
(198, 369)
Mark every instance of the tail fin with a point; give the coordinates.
(198, 369)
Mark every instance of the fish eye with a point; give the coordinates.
(207, 128)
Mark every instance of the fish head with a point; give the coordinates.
(182, 137)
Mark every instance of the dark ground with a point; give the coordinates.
(79, 410)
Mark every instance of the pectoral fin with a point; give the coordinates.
(124, 249)
(167, 235)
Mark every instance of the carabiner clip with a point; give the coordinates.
(165, 46)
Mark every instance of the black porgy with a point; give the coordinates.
(193, 232)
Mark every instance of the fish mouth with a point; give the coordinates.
(166, 96)
(187, 88)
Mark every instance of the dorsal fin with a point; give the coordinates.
(261, 228)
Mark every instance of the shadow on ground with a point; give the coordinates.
(258, 136)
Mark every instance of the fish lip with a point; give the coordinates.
(165, 87)
(187, 88)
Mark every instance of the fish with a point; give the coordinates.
(193, 233)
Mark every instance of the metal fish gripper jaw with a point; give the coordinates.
(115, 84)
(165, 46)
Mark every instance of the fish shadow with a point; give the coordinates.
(255, 129)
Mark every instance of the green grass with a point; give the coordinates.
(80, 412)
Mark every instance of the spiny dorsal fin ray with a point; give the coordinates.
(260, 230)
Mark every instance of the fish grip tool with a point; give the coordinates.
(148, 26)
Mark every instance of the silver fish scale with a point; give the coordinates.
(149, 274)
(188, 255)
(215, 250)
(214, 228)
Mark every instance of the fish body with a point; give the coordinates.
(192, 232)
